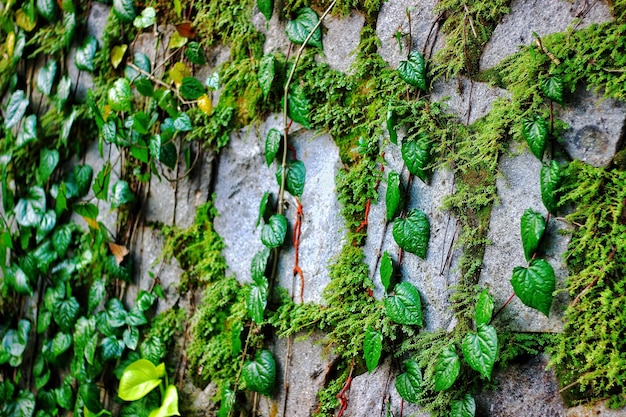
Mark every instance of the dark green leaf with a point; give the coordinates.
(31, 208)
(64, 395)
(387, 275)
(405, 306)
(484, 308)
(90, 395)
(447, 369)
(131, 337)
(235, 338)
(267, 69)
(299, 28)
(116, 314)
(264, 213)
(87, 210)
(142, 62)
(409, 384)
(120, 95)
(416, 155)
(413, 70)
(536, 134)
(480, 349)
(298, 106)
(169, 155)
(47, 9)
(83, 175)
(532, 228)
(266, 7)
(274, 231)
(101, 184)
(17, 280)
(83, 331)
(109, 131)
(64, 88)
(48, 161)
(391, 122)
(534, 285)
(550, 180)
(465, 407)
(43, 321)
(183, 123)
(46, 75)
(144, 300)
(257, 299)
(66, 126)
(28, 132)
(296, 175)
(136, 317)
(42, 380)
(394, 197)
(66, 314)
(152, 349)
(121, 194)
(15, 109)
(69, 27)
(372, 348)
(124, 10)
(144, 87)
(86, 53)
(226, 403)
(191, 89)
(259, 265)
(61, 343)
(272, 145)
(195, 53)
(260, 374)
(412, 234)
(48, 221)
(552, 88)
(112, 348)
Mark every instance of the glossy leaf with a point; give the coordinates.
(61, 343)
(46, 9)
(131, 337)
(145, 300)
(195, 53)
(267, 70)
(144, 87)
(86, 210)
(413, 70)
(299, 28)
(387, 275)
(409, 383)
(480, 349)
(48, 161)
(31, 208)
(183, 123)
(83, 175)
(120, 95)
(45, 77)
(416, 155)
(465, 407)
(532, 228)
(28, 132)
(124, 10)
(260, 374)
(117, 54)
(115, 313)
(48, 221)
(534, 285)
(145, 19)
(86, 53)
(136, 317)
(550, 181)
(264, 213)
(15, 109)
(272, 145)
(257, 299)
(259, 265)
(298, 106)
(405, 306)
(169, 405)
(66, 313)
(536, 134)
(121, 194)
(213, 82)
(139, 378)
(372, 348)
(296, 176)
(391, 122)
(61, 239)
(89, 393)
(16, 279)
(552, 88)
(394, 196)
(112, 348)
(266, 7)
(412, 234)
(191, 88)
(274, 231)
(484, 308)
(447, 368)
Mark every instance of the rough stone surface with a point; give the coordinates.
(274, 30)
(539, 397)
(469, 100)
(518, 189)
(596, 127)
(341, 40)
(243, 177)
(392, 18)
(542, 17)
(597, 410)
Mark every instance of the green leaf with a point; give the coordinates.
(145, 300)
(64, 88)
(534, 285)
(66, 313)
(372, 347)
(112, 348)
(552, 88)
(120, 95)
(416, 155)
(405, 307)
(89, 393)
(299, 28)
(169, 406)
(259, 265)
(131, 337)
(145, 19)
(48, 221)
(550, 181)
(447, 369)
(387, 276)
(101, 184)
(116, 314)
(61, 343)
(257, 299)
(86, 210)
(394, 197)
(296, 175)
(48, 161)
(24, 405)
(183, 123)
(83, 175)
(272, 145)
(15, 109)
(124, 10)
(86, 53)
(28, 132)
(412, 234)
(536, 134)
(44, 255)
(69, 27)
(391, 122)
(260, 374)
(45, 77)
(191, 89)
(46, 9)
(235, 338)
(532, 228)
(267, 69)
(195, 53)
(409, 384)
(117, 54)
(480, 349)
(31, 208)
(413, 70)
(274, 231)
(136, 317)
(144, 87)
(121, 194)
(138, 379)
(266, 7)
(64, 395)
(43, 321)
(484, 308)
(298, 106)
(465, 407)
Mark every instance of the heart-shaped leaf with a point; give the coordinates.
(413, 70)
(31, 208)
(61, 239)
(117, 54)
(372, 347)
(83, 175)
(267, 71)
(299, 28)
(405, 306)
(296, 175)
(532, 228)
(47, 9)
(394, 196)
(416, 155)
(391, 122)
(447, 369)
(191, 88)
(298, 106)
(48, 221)
(48, 161)
(195, 53)
(536, 134)
(96, 294)
(484, 308)
(183, 123)
(131, 337)
(169, 405)
(260, 374)
(124, 10)
(480, 349)
(145, 19)
(274, 231)
(45, 77)
(257, 299)
(121, 194)
(61, 343)
(534, 285)
(86, 53)
(387, 275)
(259, 265)
(412, 234)
(465, 407)
(550, 181)
(139, 378)
(409, 384)
(66, 313)
(28, 132)
(266, 7)
(15, 109)
(119, 96)
(552, 88)
(272, 145)
(16, 279)
(264, 212)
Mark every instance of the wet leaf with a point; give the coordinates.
(480, 349)
(405, 306)
(272, 145)
(15, 109)
(260, 374)
(394, 196)
(536, 134)
(296, 176)
(120, 95)
(266, 72)
(31, 208)
(413, 70)
(534, 285)
(391, 122)
(86, 53)
(121, 194)
(532, 228)
(447, 369)
(298, 106)
(45, 77)
(48, 161)
(372, 348)
(259, 265)
(409, 383)
(124, 10)
(299, 28)
(552, 88)
(416, 155)
(257, 299)
(550, 181)
(47, 9)
(195, 53)
(28, 132)
(191, 88)
(387, 274)
(412, 234)
(274, 231)
(139, 378)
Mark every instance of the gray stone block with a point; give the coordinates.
(341, 40)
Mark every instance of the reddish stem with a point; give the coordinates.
(503, 305)
(342, 394)
(297, 232)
